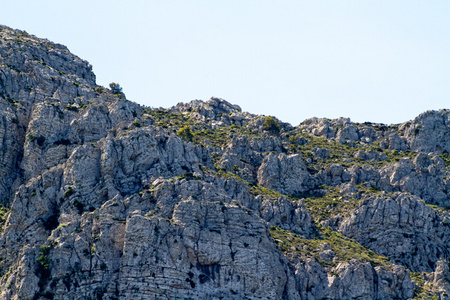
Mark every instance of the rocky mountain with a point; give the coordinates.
(102, 198)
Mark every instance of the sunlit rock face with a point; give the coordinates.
(102, 198)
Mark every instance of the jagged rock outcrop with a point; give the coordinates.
(285, 174)
(424, 177)
(102, 198)
(427, 133)
(353, 280)
(401, 227)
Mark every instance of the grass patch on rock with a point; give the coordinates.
(329, 204)
(345, 249)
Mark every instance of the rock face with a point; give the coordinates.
(285, 174)
(400, 226)
(104, 199)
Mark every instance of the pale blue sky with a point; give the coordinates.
(379, 61)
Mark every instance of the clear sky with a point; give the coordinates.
(380, 61)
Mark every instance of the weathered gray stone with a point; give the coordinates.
(105, 203)
(284, 173)
(400, 227)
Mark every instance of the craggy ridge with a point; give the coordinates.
(102, 198)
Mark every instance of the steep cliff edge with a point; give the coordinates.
(105, 199)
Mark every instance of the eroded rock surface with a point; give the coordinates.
(104, 199)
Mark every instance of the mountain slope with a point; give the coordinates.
(106, 199)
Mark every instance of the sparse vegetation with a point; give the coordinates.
(188, 176)
(342, 153)
(446, 158)
(163, 117)
(103, 162)
(43, 265)
(423, 289)
(202, 133)
(3, 214)
(43, 268)
(327, 202)
(259, 190)
(345, 249)
(100, 90)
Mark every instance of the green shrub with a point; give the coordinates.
(271, 125)
(294, 139)
(43, 265)
(100, 90)
(115, 88)
(185, 133)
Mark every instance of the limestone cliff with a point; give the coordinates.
(102, 198)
